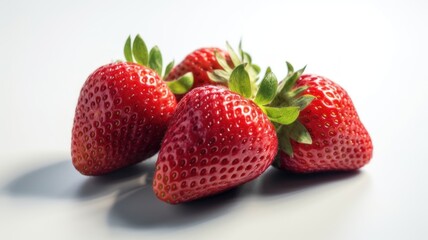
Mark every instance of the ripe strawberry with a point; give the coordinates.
(204, 61)
(199, 62)
(339, 140)
(121, 115)
(218, 139)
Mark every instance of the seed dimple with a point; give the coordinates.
(192, 150)
(214, 149)
(234, 150)
(193, 160)
(182, 162)
(214, 160)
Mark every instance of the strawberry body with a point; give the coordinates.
(120, 119)
(339, 139)
(216, 140)
(199, 62)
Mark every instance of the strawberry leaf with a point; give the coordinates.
(284, 143)
(235, 59)
(139, 50)
(289, 68)
(168, 68)
(299, 133)
(297, 91)
(291, 80)
(181, 85)
(247, 57)
(222, 61)
(256, 68)
(127, 50)
(155, 60)
(282, 115)
(241, 52)
(303, 101)
(295, 131)
(219, 76)
(267, 89)
(239, 81)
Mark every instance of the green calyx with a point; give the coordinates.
(289, 95)
(137, 51)
(282, 103)
(224, 75)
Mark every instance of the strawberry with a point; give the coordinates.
(199, 62)
(335, 139)
(204, 61)
(122, 113)
(219, 139)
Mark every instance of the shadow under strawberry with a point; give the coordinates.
(120, 181)
(278, 182)
(140, 208)
(59, 180)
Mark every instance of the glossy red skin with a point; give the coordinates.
(120, 119)
(340, 141)
(199, 62)
(217, 140)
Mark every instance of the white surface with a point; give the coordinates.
(375, 49)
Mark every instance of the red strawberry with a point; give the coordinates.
(204, 61)
(339, 140)
(199, 62)
(217, 140)
(121, 117)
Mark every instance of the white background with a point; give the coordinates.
(377, 50)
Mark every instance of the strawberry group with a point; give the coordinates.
(215, 123)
